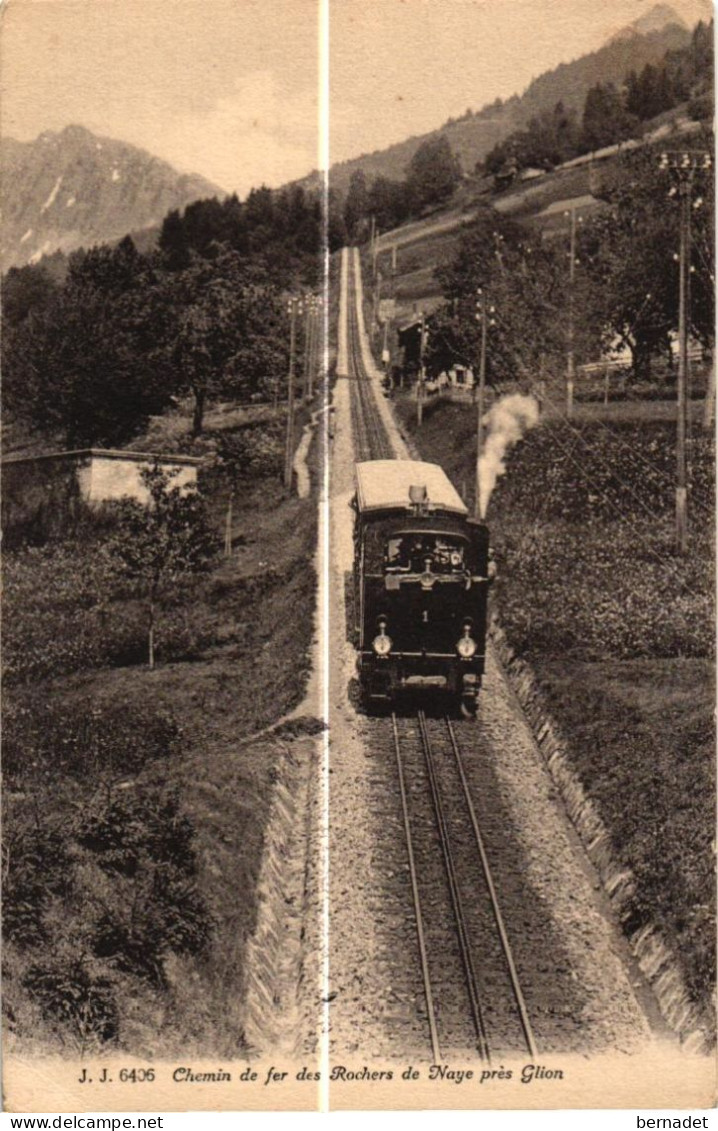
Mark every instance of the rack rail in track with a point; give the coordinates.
(472, 989)
(370, 436)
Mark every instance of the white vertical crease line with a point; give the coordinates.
(324, 532)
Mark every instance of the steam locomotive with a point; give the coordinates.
(421, 580)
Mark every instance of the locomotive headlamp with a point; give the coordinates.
(381, 644)
(466, 647)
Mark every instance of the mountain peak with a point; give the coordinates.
(656, 19)
(70, 189)
(76, 132)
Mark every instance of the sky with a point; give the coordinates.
(232, 89)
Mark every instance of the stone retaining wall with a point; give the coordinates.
(282, 960)
(654, 956)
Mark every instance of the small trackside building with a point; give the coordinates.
(44, 491)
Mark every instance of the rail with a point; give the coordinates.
(370, 436)
(443, 774)
(461, 871)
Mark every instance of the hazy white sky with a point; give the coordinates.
(231, 88)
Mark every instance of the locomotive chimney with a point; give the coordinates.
(418, 497)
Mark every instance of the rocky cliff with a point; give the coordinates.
(72, 189)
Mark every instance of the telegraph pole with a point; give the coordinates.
(372, 244)
(313, 335)
(295, 308)
(570, 361)
(683, 300)
(482, 314)
(228, 526)
(709, 406)
(376, 299)
(307, 345)
(316, 303)
(420, 386)
(684, 165)
(315, 339)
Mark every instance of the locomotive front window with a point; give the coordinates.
(415, 553)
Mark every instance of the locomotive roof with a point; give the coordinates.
(383, 485)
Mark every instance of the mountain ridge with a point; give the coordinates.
(72, 188)
(658, 17)
(475, 134)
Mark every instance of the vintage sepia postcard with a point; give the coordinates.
(358, 519)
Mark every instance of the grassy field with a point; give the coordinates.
(134, 811)
(424, 245)
(619, 631)
(412, 284)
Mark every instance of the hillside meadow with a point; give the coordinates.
(135, 801)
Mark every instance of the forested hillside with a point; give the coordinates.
(472, 136)
(613, 112)
(89, 360)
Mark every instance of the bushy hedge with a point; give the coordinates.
(595, 594)
(255, 451)
(583, 527)
(99, 867)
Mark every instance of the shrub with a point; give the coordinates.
(587, 566)
(253, 452)
(36, 868)
(100, 875)
(84, 739)
(74, 997)
(124, 832)
(166, 916)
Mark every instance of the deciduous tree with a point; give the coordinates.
(160, 544)
(87, 365)
(433, 172)
(630, 254)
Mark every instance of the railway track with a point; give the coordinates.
(472, 989)
(452, 826)
(370, 437)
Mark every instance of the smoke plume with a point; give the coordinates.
(506, 422)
